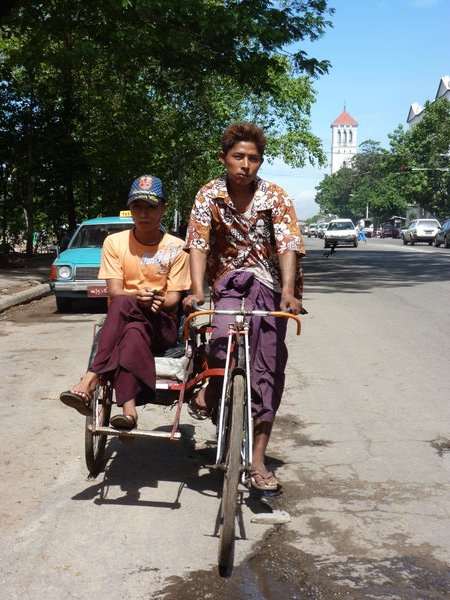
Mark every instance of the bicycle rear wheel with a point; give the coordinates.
(235, 435)
(95, 442)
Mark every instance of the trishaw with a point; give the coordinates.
(181, 375)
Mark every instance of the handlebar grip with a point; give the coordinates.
(296, 318)
(196, 307)
(190, 316)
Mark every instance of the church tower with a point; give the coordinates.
(343, 141)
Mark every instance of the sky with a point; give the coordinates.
(385, 55)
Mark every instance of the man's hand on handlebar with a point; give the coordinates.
(290, 303)
(189, 300)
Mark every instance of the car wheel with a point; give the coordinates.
(412, 242)
(63, 304)
(436, 243)
(446, 242)
(355, 244)
(429, 243)
(404, 242)
(326, 245)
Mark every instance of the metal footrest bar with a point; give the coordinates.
(143, 433)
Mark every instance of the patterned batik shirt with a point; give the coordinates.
(252, 242)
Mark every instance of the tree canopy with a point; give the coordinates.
(95, 94)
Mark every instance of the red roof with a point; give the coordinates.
(345, 119)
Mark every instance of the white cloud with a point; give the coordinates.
(305, 206)
(424, 3)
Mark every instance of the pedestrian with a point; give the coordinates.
(243, 235)
(361, 232)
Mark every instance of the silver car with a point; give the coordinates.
(421, 230)
(443, 235)
(321, 229)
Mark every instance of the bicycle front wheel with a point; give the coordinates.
(235, 435)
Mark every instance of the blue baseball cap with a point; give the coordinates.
(147, 188)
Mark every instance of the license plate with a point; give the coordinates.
(97, 291)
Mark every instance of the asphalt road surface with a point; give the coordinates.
(361, 445)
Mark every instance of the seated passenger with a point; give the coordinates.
(146, 272)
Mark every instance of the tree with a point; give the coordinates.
(427, 146)
(116, 88)
(334, 193)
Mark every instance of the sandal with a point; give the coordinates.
(200, 413)
(82, 405)
(263, 485)
(127, 422)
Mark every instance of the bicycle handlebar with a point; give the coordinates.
(250, 313)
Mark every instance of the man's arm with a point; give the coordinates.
(197, 264)
(288, 265)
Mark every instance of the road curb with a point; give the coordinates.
(33, 293)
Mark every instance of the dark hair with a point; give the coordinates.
(243, 132)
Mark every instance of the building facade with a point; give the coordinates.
(416, 111)
(343, 141)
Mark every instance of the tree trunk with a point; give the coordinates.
(30, 214)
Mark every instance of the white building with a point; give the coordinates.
(416, 111)
(343, 141)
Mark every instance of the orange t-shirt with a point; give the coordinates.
(163, 267)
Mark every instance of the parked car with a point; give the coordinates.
(312, 230)
(421, 230)
(321, 229)
(340, 231)
(443, 235)
(389, 230)
(73, 274)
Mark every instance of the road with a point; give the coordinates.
(361, 445)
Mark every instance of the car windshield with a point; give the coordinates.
(428, 223)
(340, 226)
(93, 236)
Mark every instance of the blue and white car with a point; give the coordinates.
(74, 273)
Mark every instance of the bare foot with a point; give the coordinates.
(199, 403)
(86, 386)
(129, 410)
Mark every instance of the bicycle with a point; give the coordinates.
(180, 378)
(235, 424)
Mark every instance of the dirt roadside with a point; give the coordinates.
(19, 272)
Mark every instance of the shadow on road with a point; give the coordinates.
(363, 270)
(132, 469)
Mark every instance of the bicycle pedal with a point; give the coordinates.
(215, 467)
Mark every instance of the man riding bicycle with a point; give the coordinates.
(243, 235)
